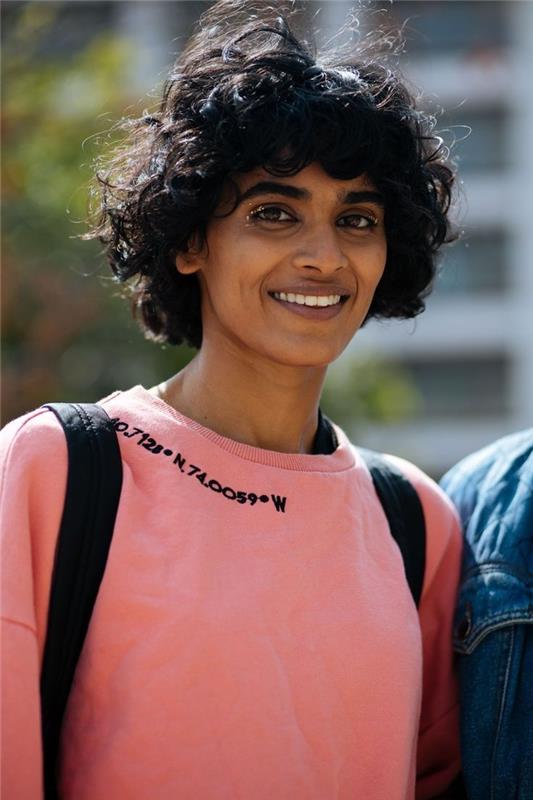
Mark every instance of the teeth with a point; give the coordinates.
(308, 299)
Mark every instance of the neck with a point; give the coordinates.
(262, 404)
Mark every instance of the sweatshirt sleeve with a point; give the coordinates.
(33, 464)
(438, 758)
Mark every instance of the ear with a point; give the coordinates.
(188, 263)
(192, 259)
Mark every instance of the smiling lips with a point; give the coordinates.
(309, 299)
(312, 306)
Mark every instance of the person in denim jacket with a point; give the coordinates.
(493, 635)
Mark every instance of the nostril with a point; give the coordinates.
(319, 268)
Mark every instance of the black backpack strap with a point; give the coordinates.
(405, 516)
(93, 490)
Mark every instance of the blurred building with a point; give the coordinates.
(471, 353)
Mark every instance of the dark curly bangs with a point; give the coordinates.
(246, 93)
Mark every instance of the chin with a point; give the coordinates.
(317, 356)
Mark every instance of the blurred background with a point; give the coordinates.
(432, 389)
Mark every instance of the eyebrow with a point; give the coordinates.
(296, 193)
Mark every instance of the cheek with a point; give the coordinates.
(375, 267)
(222, 292)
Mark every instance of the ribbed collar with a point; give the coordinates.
(342, 458)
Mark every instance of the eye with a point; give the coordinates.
(271, 214)
(358, 221)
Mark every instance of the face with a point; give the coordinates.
(290, 274)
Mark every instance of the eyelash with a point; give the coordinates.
(255, 215)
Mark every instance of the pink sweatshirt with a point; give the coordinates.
(253, 637)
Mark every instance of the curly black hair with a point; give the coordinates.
(248, 92)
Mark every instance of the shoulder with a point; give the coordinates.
(33, 449)
(38, 435)
(443, 531)
(32, 438)
(501, 473)
(495, 462)
(439, 511)
(34, 466)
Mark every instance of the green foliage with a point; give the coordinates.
(361, 390)
(67, 335)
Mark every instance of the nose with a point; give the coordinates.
(320, 250)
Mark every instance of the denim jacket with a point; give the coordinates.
(493, 635)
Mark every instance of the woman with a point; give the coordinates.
(254, 635)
